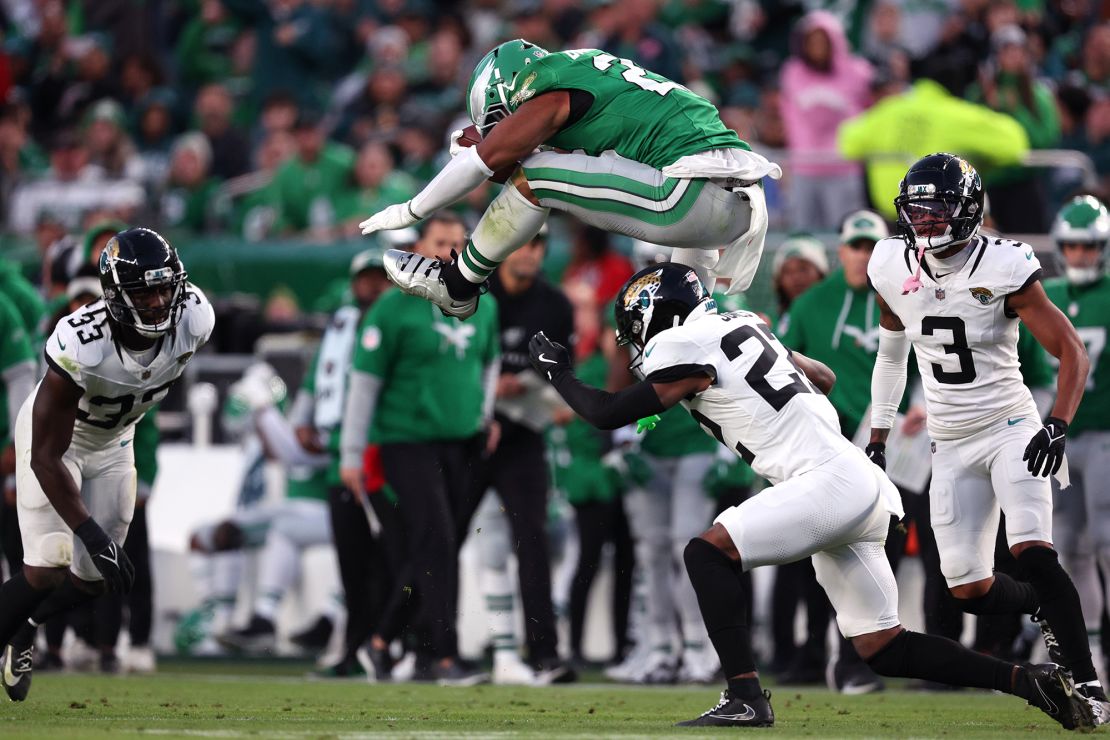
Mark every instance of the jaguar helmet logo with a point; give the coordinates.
(983, 295)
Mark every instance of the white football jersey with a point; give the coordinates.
(963, 335)
(119, 390)
(761, 405)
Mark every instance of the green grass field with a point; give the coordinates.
(232, 700)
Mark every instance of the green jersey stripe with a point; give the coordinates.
(651, 204)
(604, 180)
(654, 216)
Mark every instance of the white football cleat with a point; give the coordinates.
(510, 669)
(421, 277)
(699, 665)
(140, 660)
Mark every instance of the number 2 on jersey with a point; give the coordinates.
(757, 375)
(633, 72)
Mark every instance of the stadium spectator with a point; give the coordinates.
(799, 263)
(640, 37)
(186, 198)
(924, 119)
(109, 146)
(822, 84)
(594, 262)
(230, 151)
(140, 73)
(69, 188)
(1007, 84)
(203, 52)
(307, 184)
(375, 184)
(154, 133)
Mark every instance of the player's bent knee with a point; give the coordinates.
(972, 590)
(963, 565)
(520, 182)
(891, 657)
(719, 537)
(868, 645)
(95, 588)
(1021, 547)
(43, 578)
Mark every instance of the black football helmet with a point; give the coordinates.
(659, 297)
(143, 281)
(940, 202)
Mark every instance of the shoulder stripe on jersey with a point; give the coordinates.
(1011, 314)
(979, 257)
(681, 372)
(61, 371)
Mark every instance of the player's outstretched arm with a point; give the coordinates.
(600, 408)
(1051, 328)
(820, 374)
(52, 420)
(888, 380)
(510, 141)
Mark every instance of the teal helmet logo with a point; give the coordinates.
(497, 86)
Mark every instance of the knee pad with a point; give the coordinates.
(957, 563)
(56, 550)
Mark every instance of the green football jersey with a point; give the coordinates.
(430, 367)
(27, 301)
(1088, 307)
(146, 447)
(638, 114)
(15, 347)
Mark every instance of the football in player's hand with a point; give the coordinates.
(471, 137)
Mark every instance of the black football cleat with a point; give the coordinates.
(257, 636)
(19, 658)
(1049, 637)
(1053, 692)
(316, 637)
(731, 711)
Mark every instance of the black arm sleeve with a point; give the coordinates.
(603, 409)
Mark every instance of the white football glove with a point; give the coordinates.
(395, 217)
(454, 148)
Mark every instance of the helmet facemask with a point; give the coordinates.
(937, 223)
(152, 305)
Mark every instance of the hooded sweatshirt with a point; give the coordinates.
(815, 102)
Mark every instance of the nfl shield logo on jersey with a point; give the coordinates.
(983, 295)
(939, 294)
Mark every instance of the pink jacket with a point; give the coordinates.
(814, 103)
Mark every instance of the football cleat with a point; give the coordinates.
(377, 664)
(458, 673)
(1053, 692)
(1096, 698)
(422, 277)
(19, 658)
(510, 669)
(316, 636)
(732, 711)
(140, 659)
(258, 635)
(699, 665)
(554, 670)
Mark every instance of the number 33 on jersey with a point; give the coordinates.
(118, 390)
(963, 334)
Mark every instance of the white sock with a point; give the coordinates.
(509, 223)
(279, 568)
(497, 588)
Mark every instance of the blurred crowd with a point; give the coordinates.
(271, 118)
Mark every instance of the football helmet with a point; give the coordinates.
(1083, 220)
(659, 297)
(940, 202)
(143, 281)
(495, 88)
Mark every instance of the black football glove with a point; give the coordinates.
(108, 557)
(876, 453)
(1045, 452)
(547, 356)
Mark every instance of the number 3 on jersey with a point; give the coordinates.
(958, 347)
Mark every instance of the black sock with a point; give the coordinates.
(745, 688)
(935, 658)
(62, 599)
(1060, 607)
(716, 581)
(1005, 596)
(457, 285)
(18, 600)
